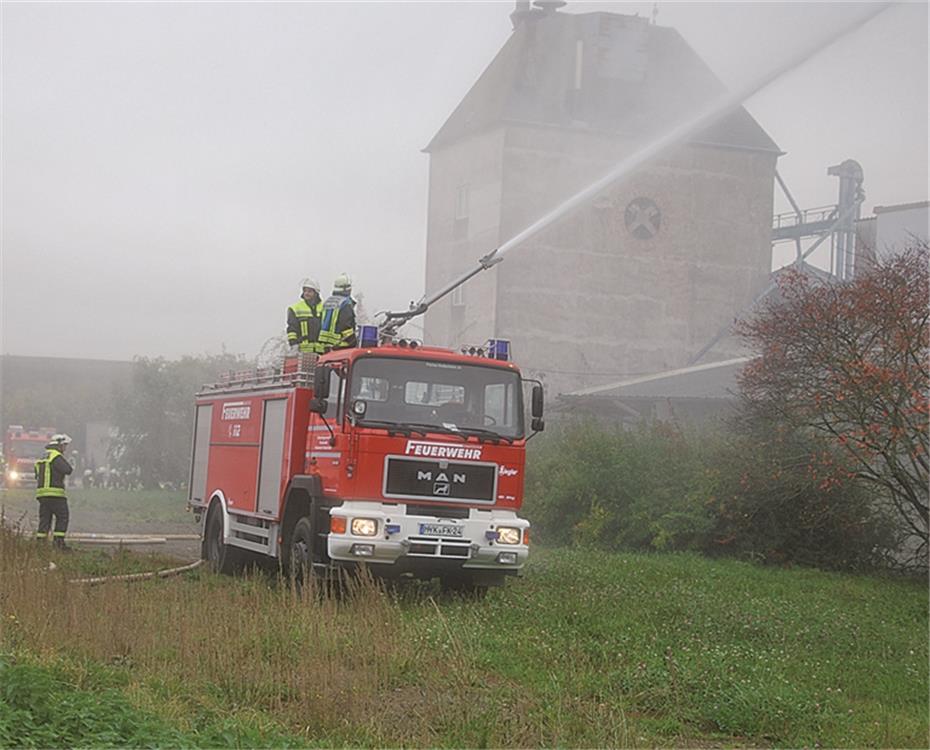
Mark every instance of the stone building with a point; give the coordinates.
(647, 273)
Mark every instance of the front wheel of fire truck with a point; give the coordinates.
(220, 557)
(300, 551)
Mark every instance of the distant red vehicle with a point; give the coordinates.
(404, 457)
(21, 448)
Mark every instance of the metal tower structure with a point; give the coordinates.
(836, 223)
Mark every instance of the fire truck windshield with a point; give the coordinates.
(28, 448)
(450, 396)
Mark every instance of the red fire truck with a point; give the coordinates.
(21, 448)
(406, 457)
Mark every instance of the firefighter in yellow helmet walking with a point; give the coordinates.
(50, 490)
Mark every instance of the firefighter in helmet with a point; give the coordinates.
(339, 316)
(304, 318)
(50, 490)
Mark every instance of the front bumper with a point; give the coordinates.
(400, 540)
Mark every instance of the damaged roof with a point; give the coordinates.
(597, 71)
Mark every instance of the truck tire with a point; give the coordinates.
(220, 557)
(300, 551)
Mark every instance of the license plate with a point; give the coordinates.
(440, 529)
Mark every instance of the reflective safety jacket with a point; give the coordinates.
(338, 331)
(303, 326)
(50, 474)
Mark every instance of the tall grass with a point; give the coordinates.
(259, 646)
(591, 649)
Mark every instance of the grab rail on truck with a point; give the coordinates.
(290, 371)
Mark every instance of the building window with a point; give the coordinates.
(461, 202)
(458, 296)
(460, 224)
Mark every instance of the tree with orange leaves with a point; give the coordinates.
(850, 360)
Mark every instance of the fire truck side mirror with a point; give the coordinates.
(319, 405)
(321, 382)
(537, 402)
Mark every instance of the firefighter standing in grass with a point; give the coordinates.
(50, 490)
(304, 319)
(339, 316)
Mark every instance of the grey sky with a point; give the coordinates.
(170, 171)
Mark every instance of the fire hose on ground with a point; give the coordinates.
(122, 539)
(119, 539)
(132, 577)
(129, 577)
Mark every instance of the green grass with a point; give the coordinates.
(100, 509)
(589, 649)
(110, 561)
(42, 707)
(682, 647)
(110, 512)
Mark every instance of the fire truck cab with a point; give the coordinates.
(405, 457)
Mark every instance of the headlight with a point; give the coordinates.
(14, 475)
(508, 535)
(364, 526)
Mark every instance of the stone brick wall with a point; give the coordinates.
(587, 301)
(454, 246)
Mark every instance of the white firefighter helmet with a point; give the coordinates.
(308, 283)
(60, 439)
(342, 283)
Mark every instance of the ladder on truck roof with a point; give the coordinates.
(289, 371)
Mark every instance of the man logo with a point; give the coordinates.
(441, 478)
(441, 489)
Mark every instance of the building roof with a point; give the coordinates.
(634, 77)
(712, 380)
(900, 207)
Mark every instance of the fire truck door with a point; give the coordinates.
(326, 453)
(272, 453)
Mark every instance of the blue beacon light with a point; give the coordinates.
(368, 336)
(499, 349)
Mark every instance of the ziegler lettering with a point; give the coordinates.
(237, 410)
(441, 450)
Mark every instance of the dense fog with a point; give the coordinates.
(170, 172)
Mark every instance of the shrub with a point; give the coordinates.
(783, 495)
(770, 495)
(615, 489)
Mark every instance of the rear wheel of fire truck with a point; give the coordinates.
(219, 556)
